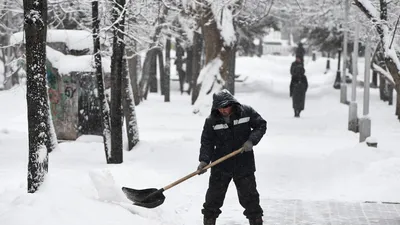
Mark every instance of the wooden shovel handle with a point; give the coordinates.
(205, 168)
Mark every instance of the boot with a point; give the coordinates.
(256, 221)
(296, 113)
(209, 221)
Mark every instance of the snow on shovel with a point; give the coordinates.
(153, 197)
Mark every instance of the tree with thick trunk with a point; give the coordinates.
(153, 81)
(9, 11)
(179, 53)
(116, 153)
(104, 107)
(129, 109)
(216, 22)
(145, 79)
(134, 65)
(197, 52)
(189, 68)
(166, 83)
(35, 26)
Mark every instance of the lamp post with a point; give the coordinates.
(336, 85)
(343, 86)
(353, 117)
(365, 121)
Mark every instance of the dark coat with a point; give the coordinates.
(219, 138)
(300, 51)
(294, 68)
(299, 87)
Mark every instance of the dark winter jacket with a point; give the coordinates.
(219, 138)
(300, 51)
(299, 87)
(295, 68)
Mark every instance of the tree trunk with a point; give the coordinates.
(35, 26)
(217, 54)
(133, 73)
(143, 84)
(398, 101)
(197, 53)
(9, 76)
(161, 64)
(374, 79)
(382, 86)
(144, 81)
(116, 155)
(214, 43)
(230, 82)
(179, 52)
(132, 129)
(52, 142)
(390, 93)
(7, 70)
(166, 82)
(153, 82)
(104, 107)
(189, 70)
(260, 48)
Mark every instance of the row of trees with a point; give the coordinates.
(198, 27)
(206, 34)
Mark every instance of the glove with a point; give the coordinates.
(247, 146)
(201, 166)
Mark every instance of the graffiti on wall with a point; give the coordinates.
(63, 103)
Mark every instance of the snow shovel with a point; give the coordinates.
(153, 197)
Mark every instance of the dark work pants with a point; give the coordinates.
(247, 192)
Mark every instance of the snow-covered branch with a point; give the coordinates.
(385, 73)
(382, 28)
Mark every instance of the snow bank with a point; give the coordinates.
(74, 39)
(264, 74)
(69, 63)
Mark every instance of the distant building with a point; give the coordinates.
(273, 44)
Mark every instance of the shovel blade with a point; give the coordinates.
(148, 198)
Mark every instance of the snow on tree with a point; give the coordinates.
(35, 26)
(119, 10)
(129, 108)
(216, 22)
(104, 107)
(10, 20)
(380, 20)
(211, 80)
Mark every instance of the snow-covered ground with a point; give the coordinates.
(310, 158)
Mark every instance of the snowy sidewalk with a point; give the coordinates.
(300, 212)
(318, 213)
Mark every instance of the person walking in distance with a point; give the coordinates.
(229, 127)
(298, 87)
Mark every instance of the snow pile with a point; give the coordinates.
(69, 63)
(74, 39)
(266, 76)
